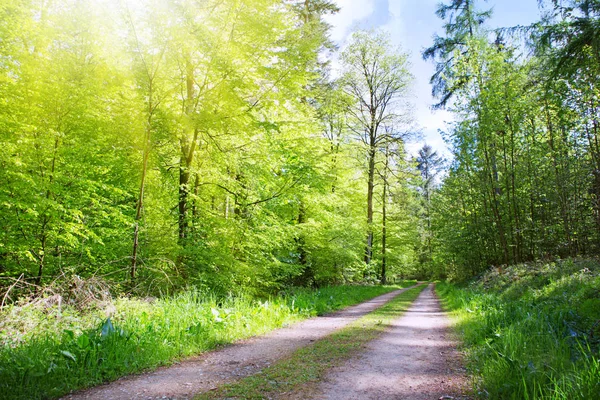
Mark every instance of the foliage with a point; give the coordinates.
(463, 23)
(524, 182)
(376, 81)
(531, 330)
(168, 144)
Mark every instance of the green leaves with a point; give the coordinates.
(524, 149)
(68, 355)
(107, 328)
(205, 134)
(83, 342)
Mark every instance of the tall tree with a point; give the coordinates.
(377, 79)
(462, 25)
(569, 40)
(149, 66)
(523, 183)
(429, 164)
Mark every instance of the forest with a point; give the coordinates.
(174, 150)
(213, 147)
(180, 145)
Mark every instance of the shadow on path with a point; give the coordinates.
(414, 359)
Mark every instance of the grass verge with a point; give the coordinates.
(532, 331)
(305, 367)
(48, 350)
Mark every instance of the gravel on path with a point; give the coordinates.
(209, 370)
(416, 358)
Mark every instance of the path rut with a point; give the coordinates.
(414, 359)
(212, 369)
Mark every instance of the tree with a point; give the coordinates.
(523, 183)
(377, 79)
(59, 189)
(568, 39)
(149, 64)
(462, 25)
(429, 164)
(183, 143)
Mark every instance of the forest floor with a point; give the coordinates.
(414, 358)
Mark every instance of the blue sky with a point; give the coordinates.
(412, 24)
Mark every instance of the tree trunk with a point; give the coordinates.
(188, 148)
(42, 255)
(594, 146)
(370, 189)
(301, 220)
(496, 192)
(184, 178)
(560, 186)
(46, 218)
(384, 220)
(307, 277)
(140, 203)
(132, 271)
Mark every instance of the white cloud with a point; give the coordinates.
(351, 12)
(432, 138)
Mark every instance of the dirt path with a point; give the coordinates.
(205, 372)
(415, 359)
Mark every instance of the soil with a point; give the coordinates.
(416, 358)
(209, 370)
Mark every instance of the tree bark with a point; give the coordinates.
(370, 190)
(45, 217)
(184, 178)
(140, 203)
(384, 219)
(561, 190)
(307, 276)
(188, 148)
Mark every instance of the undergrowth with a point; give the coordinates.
(48, 348)
(532, 331)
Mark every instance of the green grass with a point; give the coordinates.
(296, 375)
(47, 350)
(531, 331)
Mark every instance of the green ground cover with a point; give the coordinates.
(48, 349)
(532, 331)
